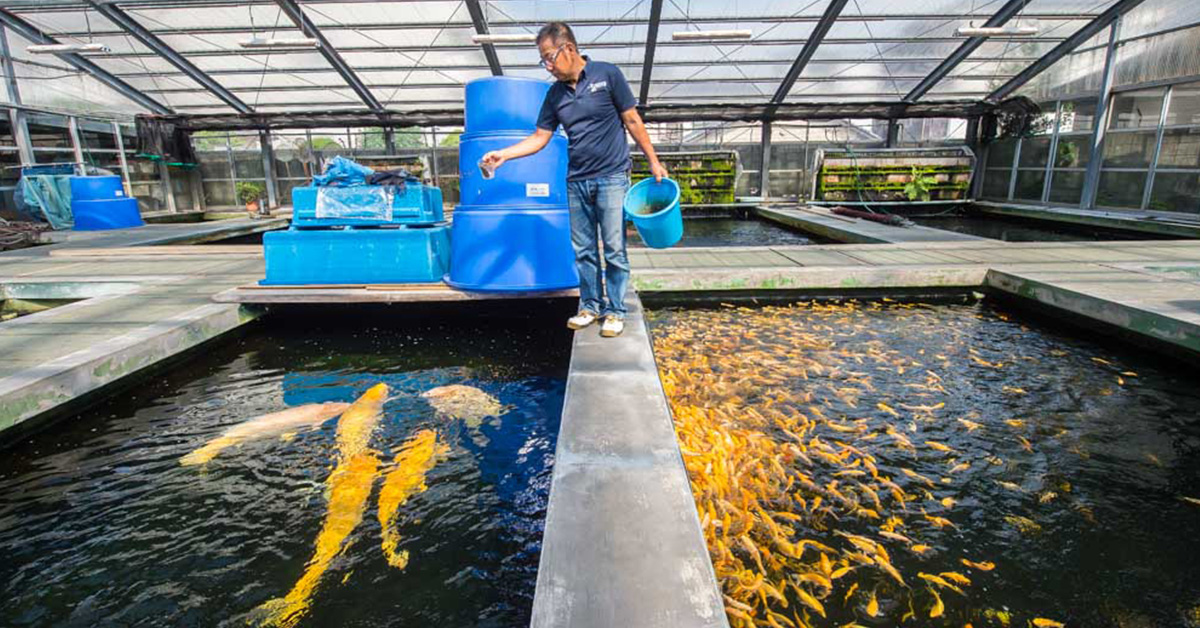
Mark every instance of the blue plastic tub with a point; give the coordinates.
(502, 103)
(514, 249)
(539, 179)
(653, 207)
(416, 205)
(356, 256)
(100, 215)
(97, 188)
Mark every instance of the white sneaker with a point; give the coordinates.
(612, 327)
(581, 320)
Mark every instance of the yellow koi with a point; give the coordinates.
(414, 460)
(888, 409)
(982, 566)
(1042, 622)
(873, 605)
(349, 488)
(955, 577)
(920, 549)
(938, 607)
(970, 425)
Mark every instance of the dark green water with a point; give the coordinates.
(101, 526)
(734, 232)
(1110, 457)
(1016, 230)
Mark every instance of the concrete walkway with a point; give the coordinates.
(622, 545)
(825, 223)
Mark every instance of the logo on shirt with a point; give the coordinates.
(595, 87)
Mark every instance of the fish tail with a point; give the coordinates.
(208, 451)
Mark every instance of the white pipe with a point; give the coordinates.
(504, 39)
(277, 42)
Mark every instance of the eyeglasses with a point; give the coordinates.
(548, 62)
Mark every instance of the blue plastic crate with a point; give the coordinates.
(356, 256)
(363, 205)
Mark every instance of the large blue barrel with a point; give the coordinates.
(517, 248)
(96, 188)
(539, 179)
(511, 232)
(501, 103)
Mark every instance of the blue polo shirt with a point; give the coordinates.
(590, 113)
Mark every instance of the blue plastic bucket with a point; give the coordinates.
(653, 207)
(503, 103)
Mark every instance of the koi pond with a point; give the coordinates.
(723, 231)
(422, 505)
(884, 464)
(1011, 229)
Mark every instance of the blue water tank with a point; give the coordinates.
(539, 179)
(356, 256)
(416, 204)
(109, 213)
(511, 232)
(97, 188)
(502, 103)
(517, 248)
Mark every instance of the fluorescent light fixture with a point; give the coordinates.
(280, 42)
(993, 31)
(708, 35)
(51, 49)
(504, 39)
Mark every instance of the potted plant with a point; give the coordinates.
(250, 193)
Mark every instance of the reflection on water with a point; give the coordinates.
(934, 465)
(101, 525)
(732, 232)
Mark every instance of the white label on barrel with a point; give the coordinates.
(537, 189)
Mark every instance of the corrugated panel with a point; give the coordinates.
(1158, 58)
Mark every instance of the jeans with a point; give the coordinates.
(599, 203)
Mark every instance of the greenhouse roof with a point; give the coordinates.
(185, 56)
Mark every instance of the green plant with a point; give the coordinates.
(249, 192)
(919, 185)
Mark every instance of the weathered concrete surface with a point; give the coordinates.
(821, 221)
(622, 545)
(382, 293)
(1146, 222)
(131, 311)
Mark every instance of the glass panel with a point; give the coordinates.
(214, 164)
(1000, 154)
(219, 194)
(1133, 110)
(6, 131)
(54, 156)
(1034, 152)
(98, 140)
(1029, 185)
(1129, 150)
(1176, 192)
(995, 183)
(1077, 116)
(9, 175)
(1072, 151)
(1185, 105)
(49, 132)
(1180, 149)
(248, 165)
(1121, 189)
(181, 187)
(1066, 187)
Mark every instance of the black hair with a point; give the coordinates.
(558, 32)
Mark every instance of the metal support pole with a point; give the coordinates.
(121, 157)
(76, 144)
(1053, 153)
(164, 175)
(893, 133)
(1012, 175)
(21, 135)
(1091, 179)
(977, 170)
(433, 167)
(268, 157)
(1158, 140)
(764, 177)
(389, 140)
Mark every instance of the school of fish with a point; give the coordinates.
(805, 473)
